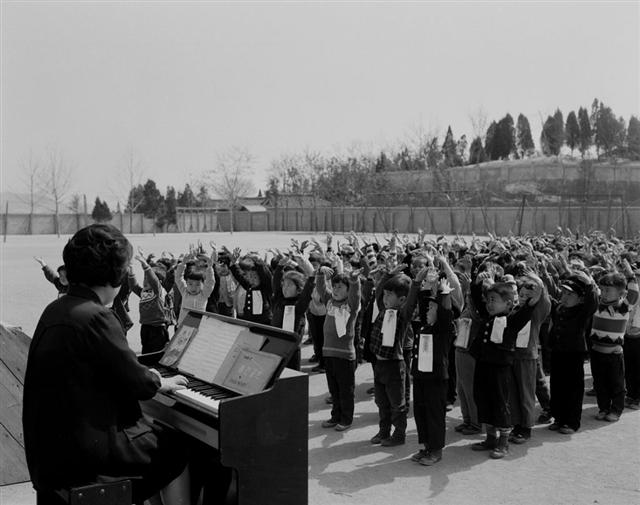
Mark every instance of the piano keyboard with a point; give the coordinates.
(198, 393)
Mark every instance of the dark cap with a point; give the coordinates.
(575, 284)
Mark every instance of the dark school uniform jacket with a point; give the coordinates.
(487, 351)
(443, 332)
(81, 395)
(570, 325)
(301, 302)
(246, 311)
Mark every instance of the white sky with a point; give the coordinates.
(180, 81)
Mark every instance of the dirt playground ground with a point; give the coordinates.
(598, 465)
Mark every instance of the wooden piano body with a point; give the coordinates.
(263, 437)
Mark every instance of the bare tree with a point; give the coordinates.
(231, 177)
(56, 182)
(75, 206)
(479, 120)
(129, 175)
(31, 169)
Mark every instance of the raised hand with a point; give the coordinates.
(40, 260)
(444, 287)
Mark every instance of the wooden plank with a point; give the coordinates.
(11, 401)
(14, 348)
(13, 466)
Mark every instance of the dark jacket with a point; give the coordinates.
(443, 333)
(483, 349)
(301, 302)
(81, 393)
(570, 326)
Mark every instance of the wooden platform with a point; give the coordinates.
(14, 347)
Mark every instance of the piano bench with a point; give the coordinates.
(101, 493)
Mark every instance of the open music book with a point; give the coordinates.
(221, 353)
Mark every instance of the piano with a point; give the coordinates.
(262, 436)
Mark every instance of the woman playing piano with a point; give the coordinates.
(82, 420)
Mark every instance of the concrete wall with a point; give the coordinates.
(42, 224)
(437, 220)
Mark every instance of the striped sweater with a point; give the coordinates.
(610, 322)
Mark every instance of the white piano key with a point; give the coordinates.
(209, 404)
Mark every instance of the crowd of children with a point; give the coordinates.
(483, 318)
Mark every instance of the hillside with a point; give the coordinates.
(544, 180)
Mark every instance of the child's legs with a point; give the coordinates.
(574, 388)
(559, 387)
(525, 383)
(294, 362)
(381, 398)
(346, 380)
(420, 409)
(408, 354)
(391, 405)
(542, 390)
(615, 378)
(436, 412)
(154, 339)
(332, 383)
(501, 405)
(465, 367)
(451, 388)
(632, 366)
(604, 379)
(481, 392)
(316, 332)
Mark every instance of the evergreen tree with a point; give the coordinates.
(585, 131)
(476, 152)
(594, 119)
(170, 203)
(461, 149)
(203, 196)
(434, 154)
(504, 142)
(546, 137)
(572, 131)
(633, 138)
(153, 199)
(101, 211)
(186, 198)
(558, 132)
(607, 130)
(449, 149)
(524, 141)
(489, 142)
(136, 197)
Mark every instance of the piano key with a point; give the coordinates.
(209, 404)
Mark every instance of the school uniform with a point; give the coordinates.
(252, 304)
(430, 373)
(494, 352)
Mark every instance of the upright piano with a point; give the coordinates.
(253, 410)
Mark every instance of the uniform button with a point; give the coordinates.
(485, 340)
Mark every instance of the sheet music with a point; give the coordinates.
(177, 346)
(250, 371)
(209, 348)
(246, 340)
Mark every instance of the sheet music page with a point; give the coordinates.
(251, 371)
(245, 340)
(177, 346)
(209, 348)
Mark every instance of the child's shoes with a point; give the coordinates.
(431, 458)
(601, 416)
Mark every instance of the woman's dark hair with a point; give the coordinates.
(97, 255)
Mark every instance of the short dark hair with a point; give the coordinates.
(398, 284)
(340, 279)
(296, 277)
(194, 275)
(613, 279)
(97, 255)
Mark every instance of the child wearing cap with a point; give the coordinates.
(493, 350)
(571, 317)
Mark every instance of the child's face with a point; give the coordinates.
(194, 286)
(252, 278)
(611, 294)
(223, 269)
(417, 265)
(62, 274)
(340, 291)
(391, 300)
(497, 305)
(570, 298)
(289, 288)
(432, 313)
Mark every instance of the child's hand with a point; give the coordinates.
(235, 255)
(422, 275)
(40, 260)
(354, 275)
(398, 269)
(326, 271)
(444, 287)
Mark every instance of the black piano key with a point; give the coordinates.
(200, 388)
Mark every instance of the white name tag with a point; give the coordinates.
(340, 316)
(463, 327)
(256, 306)
(288, 321)
(375, 312)
(522, 341)
(425, 353)
(499, 324)
(389, 327)
(636, 318)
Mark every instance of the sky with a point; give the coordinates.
(178, 83)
